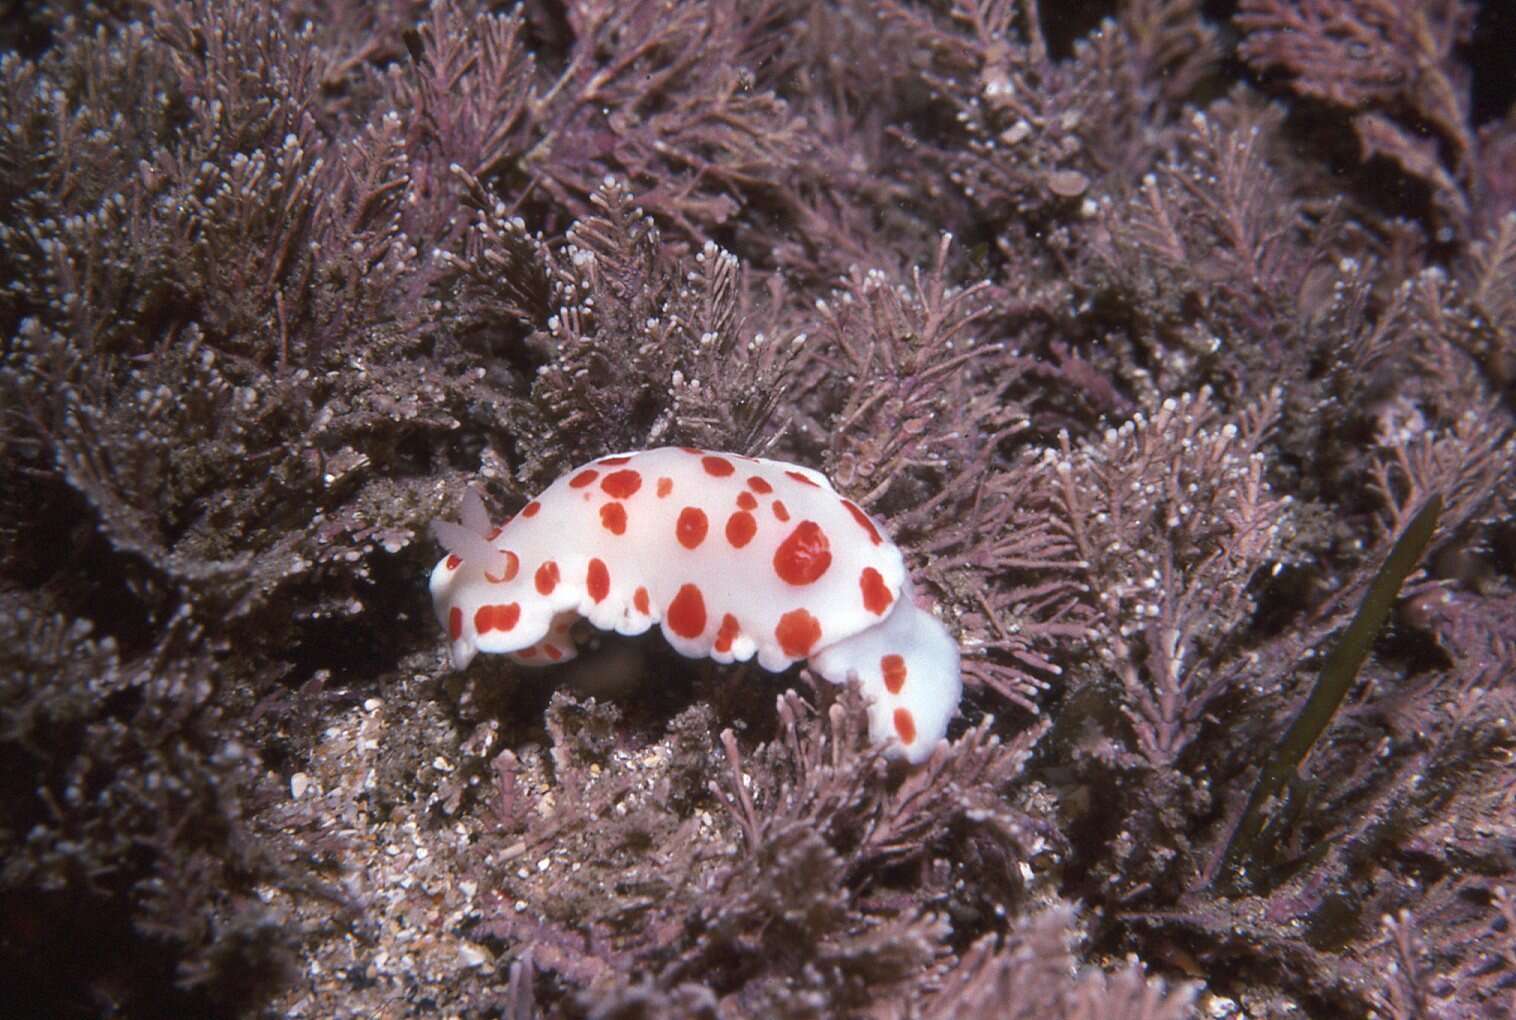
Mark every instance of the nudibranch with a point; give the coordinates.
(731, 556)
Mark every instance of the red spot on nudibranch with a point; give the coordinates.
(613, 518)
(512, 567)
(802, 479)
(740, 529)
(718, 467)
(905, 726)
(747, 501)
(876, 597)
(598, 580)
(803, 556)
(455, 623)
(893, 668)
(730, 628)
(780, 510)
(759, 486)
(686, 615)
(665, 486)
(691, 449)
(453, 561)
(552, 652)
(691, 527)
(583, 478)
(613, 461)
(530, 510)
(527, 653)
(504, 617)
(863, 521)
(797, 632)
(547, 577)
(494, 533)
(640, 600)
(621, 484)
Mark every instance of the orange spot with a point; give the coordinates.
(547, 577)
(893, 668)
(863, 521)
(665, 486)
(494, 533)
(747, 501)
(497, 617)
(583, 478)
(804, 556)
(780, 510)
(876, 597)
(598, 580)
(552, 652)
(613, 518)
(718, 467)
(691, 527)
(728, 633)
(905, 726)
(512, 567)
(686, 615)
(530, 510)
(798, 632)
(621, 484)
(639, 599)
(802, 479)
(691, 449)
(455, 623)
(613, 461)
(740, 529)
(759, 486)
(527, 653)
(453, 562)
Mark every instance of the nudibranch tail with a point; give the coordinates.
(909, 670)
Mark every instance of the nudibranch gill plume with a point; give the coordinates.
(733, 557)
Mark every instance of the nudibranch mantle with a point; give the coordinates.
(733, 557)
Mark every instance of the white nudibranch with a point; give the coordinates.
(732, 556)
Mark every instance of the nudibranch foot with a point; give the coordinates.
(908, 669)
(733, 558)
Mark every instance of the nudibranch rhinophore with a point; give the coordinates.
(733, 556)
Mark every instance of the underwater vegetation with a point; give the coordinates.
(1173, 342)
